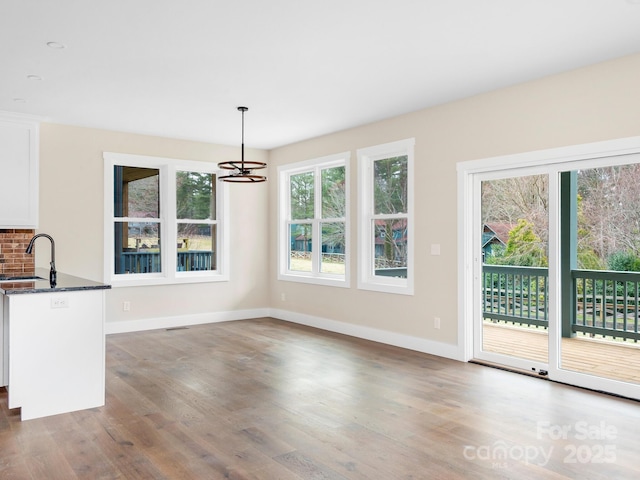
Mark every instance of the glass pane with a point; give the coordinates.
(608, 214)
(137, 247)
(514, 287)
(390, 246)
(333, 192)
(195, 196)
(604, 320)
(390, 185)
(300, 250)
(195, 244)
(136, 192)
(332, 258)
(302, 196)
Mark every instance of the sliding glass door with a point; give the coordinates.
(555, 264)
(513, 229)
(599, 338)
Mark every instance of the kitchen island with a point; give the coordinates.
(52, 344)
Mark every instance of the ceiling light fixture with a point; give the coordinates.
(242, 171)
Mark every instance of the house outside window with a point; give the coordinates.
(385, 217)
(313, 221)
(163, 221)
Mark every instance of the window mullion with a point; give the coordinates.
(169, 226)
(316, 248)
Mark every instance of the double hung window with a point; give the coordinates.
(385, 217)
(163, 221)
(313, 206)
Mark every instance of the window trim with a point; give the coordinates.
(366, 278)
(168, 222)
(284, 219)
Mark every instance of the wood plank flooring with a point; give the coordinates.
(619, 361)
(266, 399)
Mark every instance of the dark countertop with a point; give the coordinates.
(65, 283)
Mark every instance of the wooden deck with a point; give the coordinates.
(620, 361)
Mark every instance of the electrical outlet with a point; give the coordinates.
(126, 306)
(283, 297)
(60, 302)
(436, 322)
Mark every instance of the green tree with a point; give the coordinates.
(194, 195)
(524, 248)
(623, 262)
(333, 206)
(390, 184)
(390, 179)
(302, 196)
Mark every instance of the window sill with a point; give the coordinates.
(386, 288)
(140, 281)
(314, 280)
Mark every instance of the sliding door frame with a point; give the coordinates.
(479, 353)
(551, 162)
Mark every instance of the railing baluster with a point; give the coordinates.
(512, 300)
(594, 301)
(584, 301)
(635, 309)
(624, 305)
(520, 303)
(495, 291)
(532, 303)
(545, 297)
(614, 308)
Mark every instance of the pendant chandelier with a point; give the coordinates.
(242, 171)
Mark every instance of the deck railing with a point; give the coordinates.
(605, 302)
(516, 294)
(146, 262)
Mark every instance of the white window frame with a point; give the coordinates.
(168, 221)
(285, 172)
(367, 280)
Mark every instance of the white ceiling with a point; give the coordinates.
(179, 68)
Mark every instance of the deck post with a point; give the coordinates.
(568, 248)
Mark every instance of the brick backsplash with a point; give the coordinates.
(13, 258)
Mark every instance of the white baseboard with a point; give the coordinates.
(359, 331)
(368, 333)
(182, 320)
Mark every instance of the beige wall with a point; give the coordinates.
(591, 104)
(71, 210)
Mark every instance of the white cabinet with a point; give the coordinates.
(18, 172)
(56, 351)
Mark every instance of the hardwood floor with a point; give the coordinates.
(266, 399)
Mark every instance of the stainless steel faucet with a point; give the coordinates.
(52, 272)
